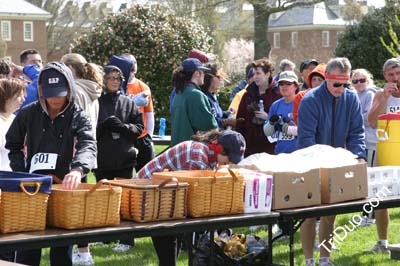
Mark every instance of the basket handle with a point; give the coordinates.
(95, 187)
(37, 184)
(56, 179)
(169, 180)
(234, 177)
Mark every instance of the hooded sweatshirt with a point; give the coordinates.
(125, 65)
(87, 95)
(319, 70)
(69, 135)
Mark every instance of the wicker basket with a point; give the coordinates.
(144, 200)
(90, 205)
(24, 210)
(210, 192)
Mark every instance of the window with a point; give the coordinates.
(294, 39)
(6, 30)
(325, 38)
(28, 31)
(277, 40)
(339, 34)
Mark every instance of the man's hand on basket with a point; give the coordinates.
(72, 180)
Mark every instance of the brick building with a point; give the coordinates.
(23, 26)
(305, 32)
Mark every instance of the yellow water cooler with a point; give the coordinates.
(388, 133)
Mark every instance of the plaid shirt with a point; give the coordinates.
(187, 155)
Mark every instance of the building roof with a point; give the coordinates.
(17, 8)
(318, 14)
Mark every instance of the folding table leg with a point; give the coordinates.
(212, 251)
(269, 261)
(291, 241)
(189, 241)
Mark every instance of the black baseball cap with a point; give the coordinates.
(306, 63)
(53, 83)
(234, 145)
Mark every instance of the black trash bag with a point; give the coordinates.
(201, 255)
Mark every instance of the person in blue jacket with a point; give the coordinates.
(330, 114)
(32, 71)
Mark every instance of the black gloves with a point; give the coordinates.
(113, 123)
(274, 119)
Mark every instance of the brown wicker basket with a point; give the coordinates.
(210, 192)
(144, 200)
(23, 211)
(90, 205)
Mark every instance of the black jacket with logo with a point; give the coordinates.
(69, 135)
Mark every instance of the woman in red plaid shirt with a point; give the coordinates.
(205, 151)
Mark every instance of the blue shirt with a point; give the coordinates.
(284, 143)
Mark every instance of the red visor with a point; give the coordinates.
(337, 77)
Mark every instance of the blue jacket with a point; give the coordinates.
(317, 124)
(32, 71)
(125, 64)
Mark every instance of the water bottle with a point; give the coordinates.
(161, 131)
(261, 106)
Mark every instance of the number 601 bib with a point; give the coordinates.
(43, 161)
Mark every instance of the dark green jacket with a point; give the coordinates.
(191, 112)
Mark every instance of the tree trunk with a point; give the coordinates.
(262, 46)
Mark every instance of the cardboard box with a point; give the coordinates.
(291, 190)
(344, 183)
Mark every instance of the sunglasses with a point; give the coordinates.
(355, 81)
(338, 85)
(287, 83)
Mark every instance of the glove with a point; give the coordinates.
(274, 119)
(285, 127)
(113, 123)
(140, 99)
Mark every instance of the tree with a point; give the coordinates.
(361, 43)
(352, 11)
(394, 46)
(262, 10)
(158, 39)
(67, 20)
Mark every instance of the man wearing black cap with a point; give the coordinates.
(56, 129)
(306, 67)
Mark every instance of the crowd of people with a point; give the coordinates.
(85, 117)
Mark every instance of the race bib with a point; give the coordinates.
(43, 161)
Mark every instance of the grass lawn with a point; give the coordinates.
(350, 253)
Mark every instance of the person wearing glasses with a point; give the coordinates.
(385, 101)
(330, 115)
(213, 81)
(279, 126)
(119, 124)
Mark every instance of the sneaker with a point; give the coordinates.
(79, 260)
(378, 248)
(366, 221)
(121, 248)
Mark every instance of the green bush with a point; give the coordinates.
(361, 42)
(158, 39)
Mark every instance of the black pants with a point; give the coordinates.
(145, 147)
(7, 255)
(59, 256)
(167, 249)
